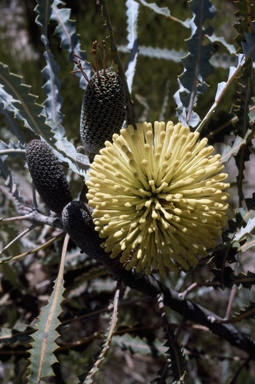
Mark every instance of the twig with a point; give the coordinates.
(242, 366)
(230, 303)
(20, 235)
(220, 96)
(37, 249)
(34, 216)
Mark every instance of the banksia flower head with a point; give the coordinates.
(158, 197)
(47, 175)
(103, 108)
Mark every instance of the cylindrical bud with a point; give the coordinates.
(78, 223)
(103, 110)
(47, 175)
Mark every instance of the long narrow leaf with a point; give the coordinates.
(217, 60)
(228, 151)
(70, 41)
(175, 354)
(53, 103)
(132, 19)
(248, 312)
(12, 124)
(43, 347)
(222, 89)
(106, 345)
(43, 9)
(196, 64)
(6, 174)
(12, 149)
(17, 99)
(164, 12)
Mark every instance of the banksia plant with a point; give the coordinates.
(158, 197)
(152, 216)
(47, 175)
(103, 109)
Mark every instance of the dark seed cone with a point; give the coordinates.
(48, 178)
(78, 223)
(103, 110)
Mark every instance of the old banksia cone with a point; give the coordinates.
(103, 109)
(78, 223)
(47, 175)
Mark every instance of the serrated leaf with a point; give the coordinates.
(158, 53)
(6, 174)
(249, 43)
(228, 151)
(219, 127)
(243, 98)
(217, 60)
(250, 243)
(65, 29)
(196, 64)
(12, 149)
(43, 9)
(228, 278)
(221, 40)
(245, 14)
(248, 312)
(164, 12)
(13, 126)
(43, 347)
(247, 280)
(243, 215)
(66, 153)
(17, 99)
(222, 88)
(53, 103)
(70, 41)
(245, 230)
(132, 19)
(106, 344)
(243, 101)
(176, 358)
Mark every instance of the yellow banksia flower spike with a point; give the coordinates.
(159, 197)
